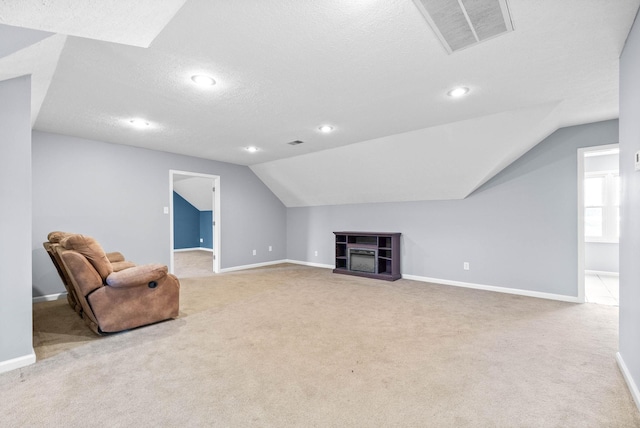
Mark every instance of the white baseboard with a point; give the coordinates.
(516, 291)
(319, 265)
(193, 249)
(633, 388)
(255, 265)
(601, 272)
(16, 363)
(50, 297)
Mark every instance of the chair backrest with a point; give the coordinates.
(51, 246)
(92, 250)
(85, 265)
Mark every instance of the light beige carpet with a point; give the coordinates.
(195, 263)
(297, 346)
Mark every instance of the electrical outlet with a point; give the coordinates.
(201, 240)
(166, 210)
(466, 265)
(316, 254)
(270, 248)
(254, 252)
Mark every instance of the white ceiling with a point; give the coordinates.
(30, 52)
(198, 191)
(131, 22)
(373, 69)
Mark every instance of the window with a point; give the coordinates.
(602, 206)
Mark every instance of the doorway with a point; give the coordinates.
(194, 219)
(598, 224)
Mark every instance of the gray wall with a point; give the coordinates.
(519, 230)
(15, 219)
(630, 216)
(116, 194)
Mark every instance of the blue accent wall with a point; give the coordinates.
(186, 224)
(190, 225)
(206, 229)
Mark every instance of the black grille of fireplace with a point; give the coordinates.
(363, 260)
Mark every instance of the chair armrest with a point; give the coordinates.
(115, 257)
(137, 275)
(118, 266)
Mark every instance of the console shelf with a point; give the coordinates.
(369, 254)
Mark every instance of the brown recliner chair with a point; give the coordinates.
(53, 242)
(115, 301)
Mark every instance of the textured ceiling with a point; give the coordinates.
(31, 52)
(373, 69)
(131, 22)
(198, 191)
(441, 162)
(13, 39)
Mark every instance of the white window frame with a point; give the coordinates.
(609, 217)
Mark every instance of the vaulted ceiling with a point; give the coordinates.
(374, 70)
(198, 191)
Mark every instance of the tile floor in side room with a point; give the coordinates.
(602, 289)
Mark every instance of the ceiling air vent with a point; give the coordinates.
(463, 23)
(295, 143)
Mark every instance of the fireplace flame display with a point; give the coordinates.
(363, 260)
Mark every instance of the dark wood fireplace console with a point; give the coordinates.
(368, 254)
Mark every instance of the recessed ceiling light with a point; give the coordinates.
(251, 149)
(203, 80)
(326, 128)
(458, 92)
(139, 123)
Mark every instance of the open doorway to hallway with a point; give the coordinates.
(195, 224)
(192, 263)
(599, 223)
(602, 289)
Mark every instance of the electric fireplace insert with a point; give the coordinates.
(363, 260)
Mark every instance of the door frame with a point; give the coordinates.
(581, 241)
(217, 249)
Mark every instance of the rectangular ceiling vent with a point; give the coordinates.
(463, 23)
(295, 143)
